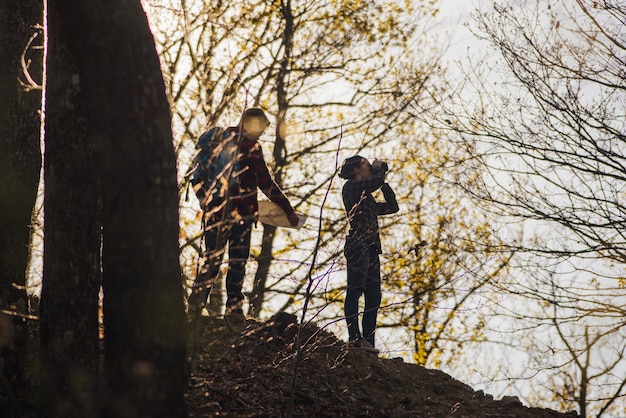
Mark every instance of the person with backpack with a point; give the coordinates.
(362, 246)
(227, 192)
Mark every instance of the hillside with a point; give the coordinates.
(250, 373)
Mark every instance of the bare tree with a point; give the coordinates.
(551, 132)
(544, 124)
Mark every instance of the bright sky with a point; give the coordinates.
(453, 15)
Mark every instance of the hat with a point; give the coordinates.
(349, 164)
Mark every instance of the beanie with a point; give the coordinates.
(349, 164)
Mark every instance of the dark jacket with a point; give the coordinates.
(363, 210)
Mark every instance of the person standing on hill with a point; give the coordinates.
(362, 246)
(232, 223)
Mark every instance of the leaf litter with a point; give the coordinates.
(259, 371)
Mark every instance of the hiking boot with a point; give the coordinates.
(365, 345)
(235, 319)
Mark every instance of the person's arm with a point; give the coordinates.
(390, 205)
(269, 187)
(354, 186)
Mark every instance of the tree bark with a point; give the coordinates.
(20, 164)
(69, 298)
(264, 261)
(127, 113)
(269, 232)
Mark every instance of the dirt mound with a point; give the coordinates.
(258, 372)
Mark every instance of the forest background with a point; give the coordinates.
(507, 161)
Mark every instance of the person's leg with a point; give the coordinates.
(215, 244)
(357, 262)
(238, 253)
(373, 297)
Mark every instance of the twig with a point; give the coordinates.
(298, 357)
(30, 83)
(237, 399)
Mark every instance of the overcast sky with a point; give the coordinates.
(454, 16)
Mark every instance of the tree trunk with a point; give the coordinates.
(69, 297)
(264, 260)
(127, 113)
(269, 232)
(20, 164)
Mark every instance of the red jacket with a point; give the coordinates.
(253, 173)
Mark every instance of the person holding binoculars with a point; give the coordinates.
(362, 247)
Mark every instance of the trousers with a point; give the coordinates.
(235, 235)
(363, 280)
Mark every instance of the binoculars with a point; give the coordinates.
(384, 166)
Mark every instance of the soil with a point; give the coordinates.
(279, 369)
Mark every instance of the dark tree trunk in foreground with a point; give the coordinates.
(128, 114)
(20, 164)
(69, 298)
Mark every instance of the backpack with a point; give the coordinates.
(216, 167)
